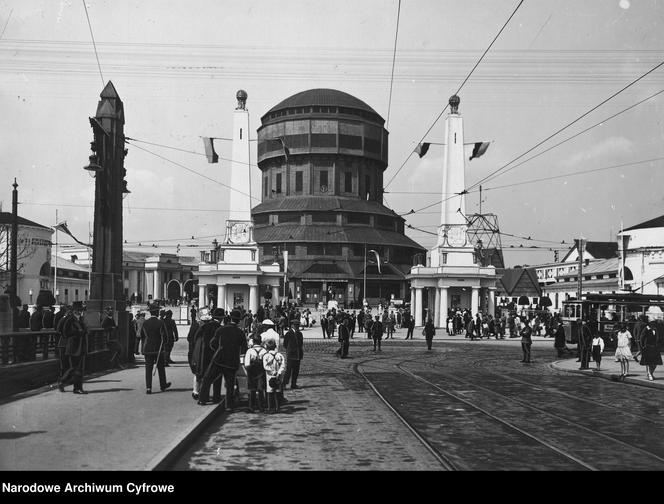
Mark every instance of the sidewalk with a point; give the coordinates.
(116, 426)
(610, 370)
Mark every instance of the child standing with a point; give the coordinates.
(623, 352)
(275, 366)
(597, 349)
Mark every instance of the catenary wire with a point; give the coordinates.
(457, 92)
(93, 41)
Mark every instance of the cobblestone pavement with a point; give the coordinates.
(474, 404)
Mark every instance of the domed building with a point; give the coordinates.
(322, 154)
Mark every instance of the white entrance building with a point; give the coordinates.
(230, 275)
(451, 278)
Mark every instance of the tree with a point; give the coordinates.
(25, 249)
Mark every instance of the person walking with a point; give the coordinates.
(344, 339)
(323, 325)
(108, 325)
(597, 349)
(24, 318)
(377, 333)
(60, 347)
(138, 328)
(650, 356)
(526, 341)
(294, 346)
(585, 344)
(470, 329)
(274, 365)
(76, 349)
(411, 326)
(253, 367)
(202, 353)
(153, 350)
(171, 335)
(202, 356)
(429, 332)
(623, 349)
(559, 339)
(229, 343)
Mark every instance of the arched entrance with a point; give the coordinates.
(190, 289)
(173, 291)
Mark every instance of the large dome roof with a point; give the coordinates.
(322, 97)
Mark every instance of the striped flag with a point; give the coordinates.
(285, 147)
(212, 156)
(377, 259)
(479, 149)
(62, 226)
(422, 149)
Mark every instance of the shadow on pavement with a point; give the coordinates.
(108, 390)
(18, 434)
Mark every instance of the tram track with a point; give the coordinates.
(553, 390)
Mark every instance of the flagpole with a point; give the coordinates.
(55, 276)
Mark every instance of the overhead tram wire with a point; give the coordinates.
(189, 151)
(495, 172)
(457, 92)
(550, 148)
(490, 177)
(93, 42)
(394, 57)
(193, 171)
(576, 135)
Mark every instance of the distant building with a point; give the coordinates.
(643, 246)
(33, 253)
(513, 283)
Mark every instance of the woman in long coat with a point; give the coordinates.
(650, 356)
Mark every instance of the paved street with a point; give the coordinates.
(463, 406)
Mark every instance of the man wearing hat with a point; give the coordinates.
(294, 345)
(154, 349)
(202, 355)
(75, 348)
(268, 332)
(229, 342)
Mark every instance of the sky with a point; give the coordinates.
(178, 64)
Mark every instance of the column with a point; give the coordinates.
(475, 301)
(221, 297)
(413, 302)
(156, 288)
(275, 295)
(435, 316)
(202, 298)
(492, 302)
(443, 307)
(253, 298)
(418, 304)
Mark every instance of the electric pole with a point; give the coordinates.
(14, 259)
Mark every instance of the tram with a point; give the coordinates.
(604, 313)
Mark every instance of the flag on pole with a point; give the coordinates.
(479, 149)
(422, 149)
(62, 226)
(377, 259)
(212, 156)
(285, 147)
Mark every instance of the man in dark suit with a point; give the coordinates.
(75, 349)
(377, 333)
(202, 355)
(294, 345)
(344, 339)
(585, 344)
(229, 343)
(154, 331)
(171, 334)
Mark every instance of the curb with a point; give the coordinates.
(607, 376)
(166, 457)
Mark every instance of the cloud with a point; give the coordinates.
(610, 148)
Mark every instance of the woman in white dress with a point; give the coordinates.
(623, 352)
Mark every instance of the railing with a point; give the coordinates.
(31, 346)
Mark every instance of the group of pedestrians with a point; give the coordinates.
(218, 347)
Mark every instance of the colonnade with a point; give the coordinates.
(441, 304)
